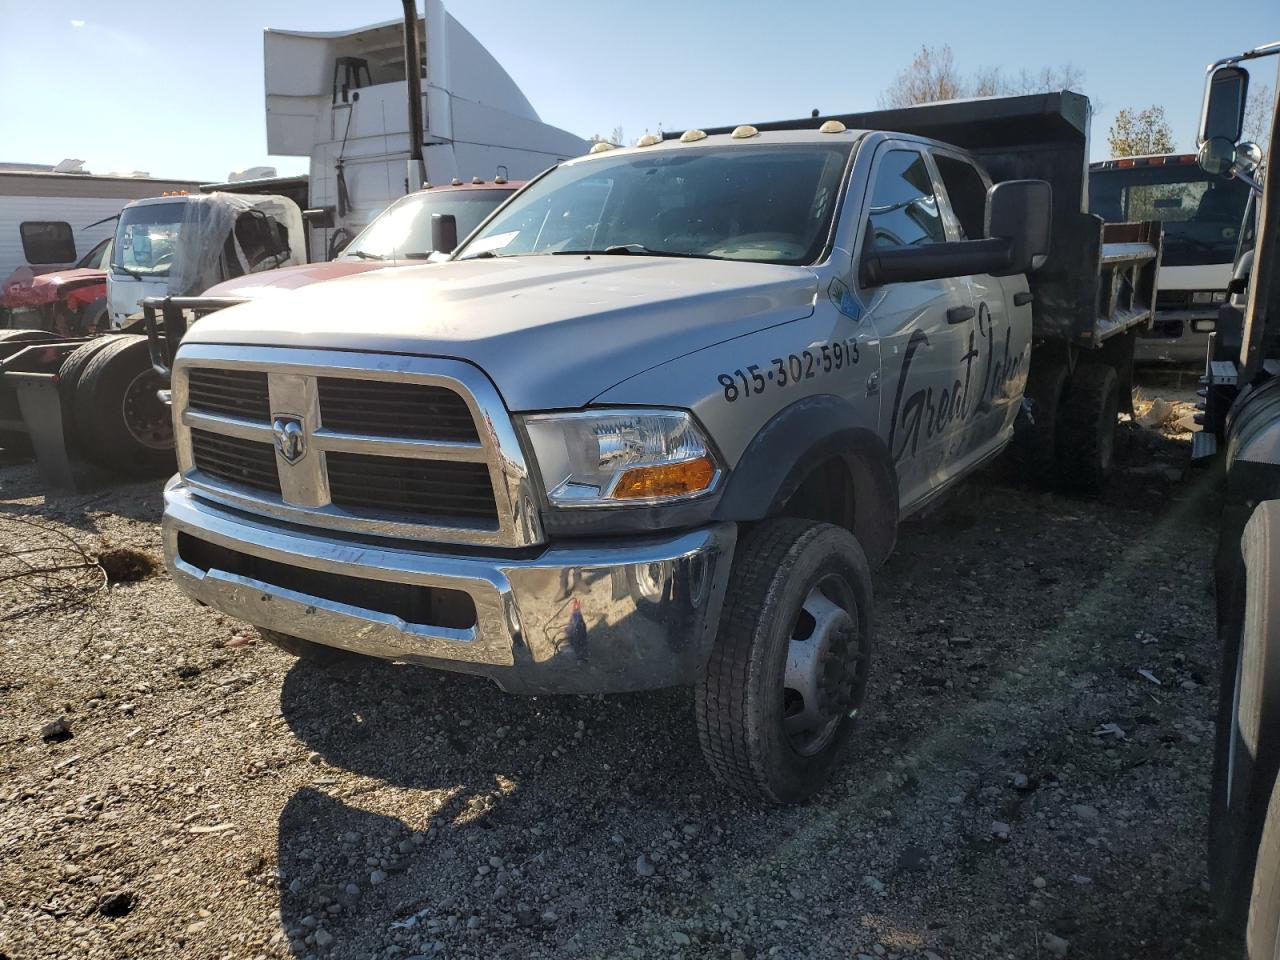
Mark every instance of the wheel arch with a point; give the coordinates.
(809, 436)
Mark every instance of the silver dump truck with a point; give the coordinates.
(657, 418)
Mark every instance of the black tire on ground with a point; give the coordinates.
(1037, 447)
(1246, 751)
(73, 365)
(784, 568)
(95, 318)
(121, 423)
(333, 659)
(1262, 933)
(1087, 428)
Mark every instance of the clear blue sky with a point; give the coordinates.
(175, 88)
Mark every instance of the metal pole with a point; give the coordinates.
(417, 173)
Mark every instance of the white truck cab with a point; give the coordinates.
(181, 244)
(1201, 216)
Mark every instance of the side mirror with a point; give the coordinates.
(1217, 156)
(1224, 100)
(1021, 212)
(444, 232)
(1018, 219)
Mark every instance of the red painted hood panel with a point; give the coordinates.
(290, 278)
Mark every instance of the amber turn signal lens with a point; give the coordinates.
(666, 480)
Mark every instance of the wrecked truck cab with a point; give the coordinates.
(652, 425)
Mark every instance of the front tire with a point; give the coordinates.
(1262, 934)
(785, 682)
(1246, 753)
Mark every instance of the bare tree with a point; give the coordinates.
(1140, 133)
(933, 75)
(1257, 117)
(615, 137)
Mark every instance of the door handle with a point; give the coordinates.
(1022, 298)
(959, 314)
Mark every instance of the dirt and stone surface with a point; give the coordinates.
(1030, 780)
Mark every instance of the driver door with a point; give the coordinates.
(924, 326)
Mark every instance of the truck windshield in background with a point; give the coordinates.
(403, 230)
(766, 203)
(146, 239)
(1201, 214)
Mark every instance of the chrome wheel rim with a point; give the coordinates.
(826, 662)
(147, 419)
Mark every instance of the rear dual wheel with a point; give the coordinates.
(785, 682)
(120, 422)
(1071, 443)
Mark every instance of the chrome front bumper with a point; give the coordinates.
(591, 617)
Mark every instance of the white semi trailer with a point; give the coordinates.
(345, 100)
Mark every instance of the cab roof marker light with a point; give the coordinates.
(832, 126)
(744, 132)
(601, 147)
(455, 182)
(649, 139)
(693, 136)
(477, 179)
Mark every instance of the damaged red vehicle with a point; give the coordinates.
(70, 302)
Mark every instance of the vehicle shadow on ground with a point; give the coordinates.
(463, 772)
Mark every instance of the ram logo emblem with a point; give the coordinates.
(290, 439)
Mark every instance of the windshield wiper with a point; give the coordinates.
(365, 255)
(634, 250)
(483, 255)
(132, 273)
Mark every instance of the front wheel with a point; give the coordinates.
(786, 679)
(1246, 754)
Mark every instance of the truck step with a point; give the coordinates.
(1202, 392)
(1199, 419)
(1203, 446)
(1222, 373)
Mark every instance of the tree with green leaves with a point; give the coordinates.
(1140, 133)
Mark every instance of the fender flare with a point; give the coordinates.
(797, 440)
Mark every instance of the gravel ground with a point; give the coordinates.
(1031, 779)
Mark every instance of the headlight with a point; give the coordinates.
(621, 457)
(1208, 296)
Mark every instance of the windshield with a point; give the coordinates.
(146, 239)
(767, 203)
(403, 230)
(96, 259)
(1201, 214)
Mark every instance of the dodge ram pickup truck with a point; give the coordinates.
(657, 419)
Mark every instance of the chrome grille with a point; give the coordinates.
(391, 445)
(400, 485)
(233, 393)
(389, 409)
(236, 460)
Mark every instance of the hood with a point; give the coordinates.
(47, 287)
(290, 278)
(552, 332)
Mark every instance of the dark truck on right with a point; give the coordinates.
(1241, 423)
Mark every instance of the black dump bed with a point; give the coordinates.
(1083, 293)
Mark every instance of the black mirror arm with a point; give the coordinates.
(934, 261)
